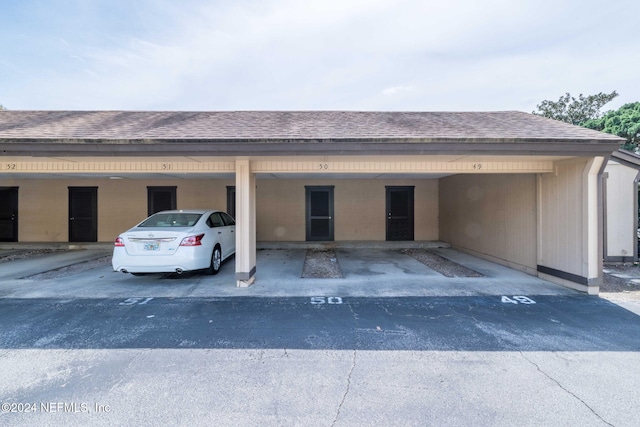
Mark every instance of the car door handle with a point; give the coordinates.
(219, 232)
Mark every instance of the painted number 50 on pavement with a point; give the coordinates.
(517, 299)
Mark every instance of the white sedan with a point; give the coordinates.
(176, 241)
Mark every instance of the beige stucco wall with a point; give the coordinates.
(43, 204)
(280, 204)
(359, 208)
(492, 216)
(561, 219)
(621, 213)
(567, 219)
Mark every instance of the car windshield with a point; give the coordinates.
(178, 219)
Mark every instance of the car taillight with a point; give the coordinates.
(192, 240)
(119, 241)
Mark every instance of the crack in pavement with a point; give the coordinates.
(346, 392)
(353, 367)
(565, 389)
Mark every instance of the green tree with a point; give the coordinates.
(623, 122)
(2, 107)
(575, 111)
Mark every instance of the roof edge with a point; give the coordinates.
(609, 139)
(285, 148)
(627, 158)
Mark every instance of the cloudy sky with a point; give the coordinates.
(422, 55)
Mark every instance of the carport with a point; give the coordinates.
(368, 269)
(513, 188)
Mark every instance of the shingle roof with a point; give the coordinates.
(266, 126)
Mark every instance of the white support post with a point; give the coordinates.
(593, 231)
(245, 223)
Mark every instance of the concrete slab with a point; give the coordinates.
(20, 268)
(355, 244)
(368, 273)
(381, 263)
(386, 273)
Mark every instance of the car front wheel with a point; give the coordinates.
(216, 261)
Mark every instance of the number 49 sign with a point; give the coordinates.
(517, 299)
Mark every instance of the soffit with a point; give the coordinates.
(298, 167)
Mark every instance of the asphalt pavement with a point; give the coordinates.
(480, 360)
(92, 347)
(489, 323)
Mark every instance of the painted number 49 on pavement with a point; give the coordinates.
(517, 299)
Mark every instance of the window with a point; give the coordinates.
(227, 219)
(171, 220)
(215, 220)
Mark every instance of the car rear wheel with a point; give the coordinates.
(216, 261)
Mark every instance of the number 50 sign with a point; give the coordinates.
(518, 299)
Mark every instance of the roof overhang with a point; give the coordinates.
(266, 147)
(293, 133)
(626, 158)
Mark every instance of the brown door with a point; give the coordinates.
(399, 213)
(231, 200)
(83, 214)
(160, 199)
(8, 214)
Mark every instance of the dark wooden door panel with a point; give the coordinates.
(160, 199)
(83, 214)
(400, 216)
(8, 214)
